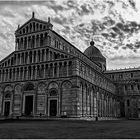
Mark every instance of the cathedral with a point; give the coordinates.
(46, 76)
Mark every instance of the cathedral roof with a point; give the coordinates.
(123, 70)
(93, 52)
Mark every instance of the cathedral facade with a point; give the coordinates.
(47, 76)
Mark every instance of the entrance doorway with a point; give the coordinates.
(28, 105)
(7, 108)
(53, 108)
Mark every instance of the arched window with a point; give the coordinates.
(33, 26)
(132, 87)
(40, 27)
(53, 92)
(27, 29)
(128, 103)
(37, 26)
(131, 75)
(138, 86)
(29, 87)
(24, 31)
(8, 96)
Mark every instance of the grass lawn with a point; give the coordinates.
(56, 129)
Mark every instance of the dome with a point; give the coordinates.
(95, 55)
(92, 51)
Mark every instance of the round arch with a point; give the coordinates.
(7, 100)
(53, 85)
(66, 84)
(29, 87)
(8, 88)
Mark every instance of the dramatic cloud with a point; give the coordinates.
(114, 25)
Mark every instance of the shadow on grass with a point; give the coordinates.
(68, 129)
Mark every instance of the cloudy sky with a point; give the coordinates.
(114, 25)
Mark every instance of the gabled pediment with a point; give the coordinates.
(33, 25)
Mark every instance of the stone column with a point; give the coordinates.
(16, 59)
(27, 74)
(102, 106)
(4, 75)
(35, 72)
(27, 42)
(16, 46)
(1, 76)
(35, 41)
(39, 41)
(23, 43)
(18, 74)
(61, 70)
(45, 55)
(48, 55)
(31, 41)
(15, 74)
(48, 70)
(67, 69)
(107, 106)
(32, 57)
(31, 72)
(20, 59)
(28, 58)
(36, 56)
(41, 56)
(57, 69)
(105, 112)
(115, 105)
(23, 74)
(43, 40)
(44, 72)
(111, 108)
(114, 108)
(7, 75)
(19, 44)
(11, 75)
